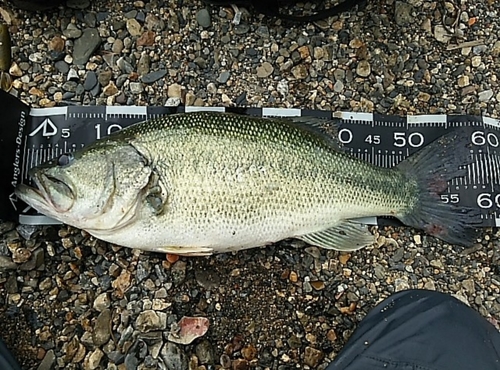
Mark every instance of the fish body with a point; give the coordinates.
(204, 182)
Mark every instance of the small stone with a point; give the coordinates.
(136, 87)
(56, 43)
(318, 285)
(122, 283)
(363, 69)
(225, 361)
(102, 302)
(463, 81)
(94, 360)
(331, 335)
(418, 239)
(344, 257)
(117, 46)
(85, 46)
(240, 364)
(205, 352)
(265, 70)
(179, 272)
(403, 13)
(90, 81)
(476, 61)
(338, 87)
(312, 357)
(293, 277)
(249, 352)
(15, 71)
(6, 264)
(133, 27)
(173, 357)
(72, 31)
(485, 95)
(223, 77)
(62, 66)
(174, 91)
(441, 34)
(151, 320)
(143, 64)
(72, 75)
(154, 76)
(110, 89)
(203, 18)
(101, 333)
(469, 286)
(146, 39)
(48, 361)
(124, 65)
(300, 71)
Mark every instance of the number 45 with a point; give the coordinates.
(450, 198)
(372, 139)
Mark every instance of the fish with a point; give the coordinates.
(201, 183)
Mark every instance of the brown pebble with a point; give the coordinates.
(343, 258)
(40, 353)
(249, 352)
(56, 44)
(146, 39)
(318, 285)
(240, 364)
(293, 277)
(331, 335)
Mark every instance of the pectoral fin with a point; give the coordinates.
(346, 236)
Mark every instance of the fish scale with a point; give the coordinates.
(220, 182)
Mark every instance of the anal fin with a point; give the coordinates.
(186, 251)
(346, 236)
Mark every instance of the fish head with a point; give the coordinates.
(96, 188)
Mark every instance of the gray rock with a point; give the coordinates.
(124, 66)
(205, 352)
(174, 357)
(90, 81)
(48, 361)
(241, 29)
(37, 260)
(153, 76)
(86, 45)
(143, 64)
(101, 333)
(6, 264)
(104, 77)
(223, 77)
(72, 31)
(151, 320)
(485, 95)
(179, 272)
(203, 18)
(403, 13)
(136, 88)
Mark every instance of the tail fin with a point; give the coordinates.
(432, 168)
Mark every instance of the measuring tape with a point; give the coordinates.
(382, 140)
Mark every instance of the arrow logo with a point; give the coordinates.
(47, 127)
(13, 200)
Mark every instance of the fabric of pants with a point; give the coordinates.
(421, 330)
(7, 361)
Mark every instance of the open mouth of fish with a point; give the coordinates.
(46, 193)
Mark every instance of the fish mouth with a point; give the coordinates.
(48, 194)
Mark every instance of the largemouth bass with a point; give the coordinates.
(201, 183)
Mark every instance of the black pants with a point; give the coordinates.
(421, 330)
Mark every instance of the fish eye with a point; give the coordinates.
(65, 159)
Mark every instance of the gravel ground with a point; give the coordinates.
(70, 301)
